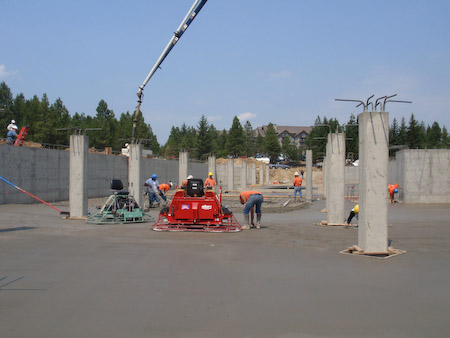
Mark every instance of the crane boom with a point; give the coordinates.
(190, 16)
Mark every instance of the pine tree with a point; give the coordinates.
(203, 139)
(236, 139)
(434, 136)
(402, 133)
(394, 133)
(352, 135)
(271, 144)
(445, 143)
(250, 139)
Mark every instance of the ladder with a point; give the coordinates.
(21, 137)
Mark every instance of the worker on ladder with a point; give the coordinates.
(11, 135)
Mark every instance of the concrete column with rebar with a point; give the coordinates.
(373, 181)
(309, 176)
(335, 178)
(135, 177)
(78, 165)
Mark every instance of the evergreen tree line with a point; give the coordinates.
(44, 120)
(413, 136)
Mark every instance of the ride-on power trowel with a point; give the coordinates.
(120, 208)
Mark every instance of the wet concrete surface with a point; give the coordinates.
(66, 278)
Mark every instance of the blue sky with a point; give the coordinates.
(281, 61)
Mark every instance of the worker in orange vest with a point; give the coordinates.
(251, 200)
(210, 182)
(297, 185)
(393, 189)
(184, 183)
(163, 188)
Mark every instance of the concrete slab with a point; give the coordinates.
(62, 278)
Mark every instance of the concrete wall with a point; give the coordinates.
(41, 172)
(45, 173)
(424, 175)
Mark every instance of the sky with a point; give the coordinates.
(283, 61)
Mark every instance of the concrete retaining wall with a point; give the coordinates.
(424, 175)
(45, 173)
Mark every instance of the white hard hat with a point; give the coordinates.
(15, 127)
(189, 177)
(13, 121)
(296, 173)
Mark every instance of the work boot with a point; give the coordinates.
(258, 221)
(246, 226)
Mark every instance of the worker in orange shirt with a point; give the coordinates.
(163, 188)
(297, 185)
(210, 182)
(251, 200)
(393, 189)
(184, 183)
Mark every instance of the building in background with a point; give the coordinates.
(297, 134)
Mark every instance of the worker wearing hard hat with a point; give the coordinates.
(353, 213)
(210, 182)
(12, 125)
(297, 185)
(184, 183)
(393, 189)
(153, 191)
(11, 135)
(252, 200)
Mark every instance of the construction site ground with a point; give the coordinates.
(66, 278)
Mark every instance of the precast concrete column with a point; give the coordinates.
(373, 181)
(309, 176)
(244, 175)
(212, 166)
(78, 165)
(261, 174)
(335, 178)
(253, 174)
(230, 172)
(183, 159)
(266, 169)
(135, 176)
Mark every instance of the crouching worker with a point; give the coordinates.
(353, 213)
(163, 188)
(251, 200)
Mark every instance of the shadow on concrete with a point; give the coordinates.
(16, 229)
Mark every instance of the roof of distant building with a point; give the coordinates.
(293, 130)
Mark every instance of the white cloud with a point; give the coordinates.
(4, 73)
(213, 118)
(282, 74)
(246, 116)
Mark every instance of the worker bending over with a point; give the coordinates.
(353, 213)
(210, 182)
(163, 188)
(251, 200)
(393, 189)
